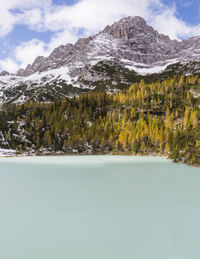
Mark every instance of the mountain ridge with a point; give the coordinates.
(112, 59)
(142, 43)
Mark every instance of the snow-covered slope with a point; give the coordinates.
(129, 44)
(17, 89)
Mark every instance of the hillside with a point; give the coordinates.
(160, 118)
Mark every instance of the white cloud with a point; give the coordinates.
(9, 17)
(167, 23)
(31, 17)
(28, 51)
(87, 16)
(9, 64)
(23, 4)
(7, 22)
(63, 37)
(94, 15)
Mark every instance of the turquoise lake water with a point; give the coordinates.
(98, 207)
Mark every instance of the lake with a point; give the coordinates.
(98, 207)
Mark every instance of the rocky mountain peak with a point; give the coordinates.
(59, 51)
(103, 60)
(136, 21)
(30, 69)
(130, 27)
(83, 41)
(4, 73)
(130, 39)
(127, 27)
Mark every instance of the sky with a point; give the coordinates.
(31, 28)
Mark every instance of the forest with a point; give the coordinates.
(159, 118)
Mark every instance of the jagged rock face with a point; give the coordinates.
(190, 48)
(128, 40)
(130, 27)
(55, 60)
(30, 69)
(145, 44)
(114, 58)
(4, 73)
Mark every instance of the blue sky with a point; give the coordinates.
(188, 11)
(29, 28)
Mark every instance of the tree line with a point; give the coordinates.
(158, 118)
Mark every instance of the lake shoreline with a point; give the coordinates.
(14, 154)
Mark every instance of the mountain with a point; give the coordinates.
(119, 55)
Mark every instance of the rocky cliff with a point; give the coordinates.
(113, 58)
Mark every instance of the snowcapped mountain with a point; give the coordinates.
(114, 58)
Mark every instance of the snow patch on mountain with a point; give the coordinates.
(60, 74)
(129, 43)
(144, 69)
